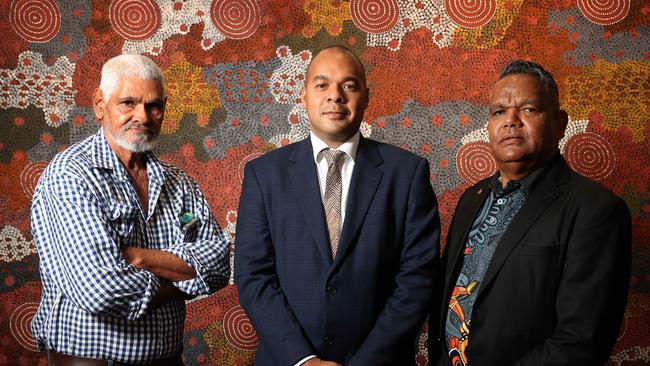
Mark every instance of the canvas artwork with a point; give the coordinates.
(235, 69)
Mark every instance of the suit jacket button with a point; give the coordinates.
(329, 341)
(331, 290)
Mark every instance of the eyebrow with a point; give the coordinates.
(345, 79)
(126, 97)
(527, 101)
(129, 97)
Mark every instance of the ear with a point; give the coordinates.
(303, 93)
(562, 122)
(367, 99)
(99, 104)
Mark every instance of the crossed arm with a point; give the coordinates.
(166, 266)
(90, 269)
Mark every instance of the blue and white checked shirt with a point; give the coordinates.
(94, 304)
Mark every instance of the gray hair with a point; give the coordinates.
(119, 67)
(534, 69)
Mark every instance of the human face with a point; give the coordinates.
(335, 96)
(132, 114)
(525, 124)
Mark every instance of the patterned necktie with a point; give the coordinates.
(332, 196)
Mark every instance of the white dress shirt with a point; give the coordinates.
(350, 149)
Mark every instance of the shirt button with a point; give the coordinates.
(331, 290)
(329, 341)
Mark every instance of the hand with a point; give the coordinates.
(168, 293)
(319, 362)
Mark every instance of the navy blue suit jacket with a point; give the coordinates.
(366, 306)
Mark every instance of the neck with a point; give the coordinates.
(519, 170)
(334, 142)
(132, 161)
(506, 176)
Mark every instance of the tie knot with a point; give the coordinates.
(332, 156)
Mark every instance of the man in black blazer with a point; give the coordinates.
(318, 295)
(537, 261)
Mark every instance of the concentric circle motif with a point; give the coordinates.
(20, 325)
(236, 19)
(590, 155)
(471, 13)
(135, 20)
(30, 175)
(374, 16)
(35, 21)
(474, 161)
(239, 330)
(242, 164)
(604, 12)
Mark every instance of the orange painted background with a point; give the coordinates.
(235, 68)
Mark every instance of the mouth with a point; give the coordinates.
(511, 139)
(335, 114)
(142, 129)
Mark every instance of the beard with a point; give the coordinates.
(145, 141)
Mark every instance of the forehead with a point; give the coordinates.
(333, 63)
(135, 86)
(518, 86)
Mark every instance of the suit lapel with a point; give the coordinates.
(545, 192)
(363, 185)
(304, 178)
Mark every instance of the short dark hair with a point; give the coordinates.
(344, 50)
(534, 69)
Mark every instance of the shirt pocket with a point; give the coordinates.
(121, 219)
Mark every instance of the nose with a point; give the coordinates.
(336, 95)
(512, 118)
(140, 114)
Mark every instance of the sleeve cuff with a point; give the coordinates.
(196, 285)
(299, 363)
(139, 308)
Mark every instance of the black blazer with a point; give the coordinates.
(366, 306)
(556, 288)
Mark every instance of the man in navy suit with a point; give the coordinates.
(537, 262)
(317, 295)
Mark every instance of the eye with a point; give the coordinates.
(496, 112)
(155, 107)
(350, 87)
(320, 86)
(530, 110)
(127, 104)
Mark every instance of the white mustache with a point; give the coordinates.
(140, 126)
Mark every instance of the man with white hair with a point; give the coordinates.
(123, 237)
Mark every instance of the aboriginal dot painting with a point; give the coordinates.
(235, 71)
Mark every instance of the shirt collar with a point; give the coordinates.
(349, 147)
(528, 183)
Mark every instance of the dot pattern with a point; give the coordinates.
(470, 13)
(236, 19)
(20, 325)
(374, 16)
(239, 330)
(590, 155)
(235, 70)
(35, 20)
(604, 12)
(135, 20)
